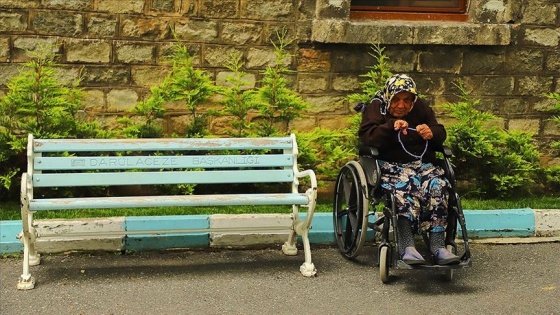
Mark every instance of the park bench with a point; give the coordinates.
(100, 163)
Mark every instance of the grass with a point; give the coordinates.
(11, 211)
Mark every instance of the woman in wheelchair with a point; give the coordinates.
(406, 132)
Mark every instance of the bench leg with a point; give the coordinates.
(26, 281)
(28, 236)
(289, 248)
(307, 268)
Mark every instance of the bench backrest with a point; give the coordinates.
(110, 162)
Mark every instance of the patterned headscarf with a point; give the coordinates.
(394, 85)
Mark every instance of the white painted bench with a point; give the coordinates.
(112, 162)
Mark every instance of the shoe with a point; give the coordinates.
(445, 257)
(412, 257)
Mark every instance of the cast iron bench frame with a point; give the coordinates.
(103, 162)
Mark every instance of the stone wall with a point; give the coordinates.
(507, 54)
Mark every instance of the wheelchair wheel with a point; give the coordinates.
(384, 263)
(350, 209)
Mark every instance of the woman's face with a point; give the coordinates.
(401, 104)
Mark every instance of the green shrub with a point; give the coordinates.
(375, 78)
(552, 174)
(494, 162)
(238, 101)
(37, 103)
(277, 103)
(326, 150)
(184, 84)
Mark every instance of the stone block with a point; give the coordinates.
(491, 85)
(552, 62)
(26, 4)
(539, 12)
(278, 10)
(440, 61)
(106, 75)
(495, 11)
(148, 76)
(333, 9)
(4, 49)
(346, 83)
(121, 6)
(248, 237)
(145, 28)
(483, 60)
(334, 122)
(551, 128)
(526, 125)
(94, 100)
(313, 60)
(165, 50)
(248, 80)
(102, 25)
(327, 104)
(219, 9)
(547, 222)
(58, 23)
(524, 60)
(197, 30)
(163, 5)
(121, 100)
(548, 37)
(241, 33)
(55, 234)
(258, 58)
(12, 22)
(303, 124)
(218, 56)
(312, 83)
(79, 5)
(535, 85)
(135, 53)
(90, 51)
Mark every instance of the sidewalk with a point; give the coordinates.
(497, 226)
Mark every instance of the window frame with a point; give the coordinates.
(410, 13)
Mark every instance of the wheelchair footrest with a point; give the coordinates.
(463, 264)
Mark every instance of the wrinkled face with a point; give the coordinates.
(401, 104)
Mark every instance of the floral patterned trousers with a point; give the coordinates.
(420, 191)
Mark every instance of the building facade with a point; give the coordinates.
(506, 52)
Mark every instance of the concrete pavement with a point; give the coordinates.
(504, 279)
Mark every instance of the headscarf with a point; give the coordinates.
(394, 85)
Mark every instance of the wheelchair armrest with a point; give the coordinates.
(365, 150)
(446, 151)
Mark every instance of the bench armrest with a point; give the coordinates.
(311, 194)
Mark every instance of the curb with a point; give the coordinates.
(497, 226)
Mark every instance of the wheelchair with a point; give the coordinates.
(358, 194)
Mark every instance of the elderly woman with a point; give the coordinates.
(405, 130)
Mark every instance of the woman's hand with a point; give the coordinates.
(401, 125)
(424, 131)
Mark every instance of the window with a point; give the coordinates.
(410, 9)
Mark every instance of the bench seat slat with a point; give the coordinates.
(162, 144)
(168, 201)
(162, 178)
(161, 162)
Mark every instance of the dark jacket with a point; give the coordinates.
(378, 131)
